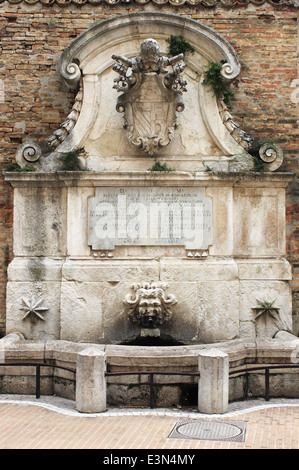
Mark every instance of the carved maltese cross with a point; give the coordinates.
(33, 307)
(267, 308)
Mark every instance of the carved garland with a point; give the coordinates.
(238, 134)
(65, 129)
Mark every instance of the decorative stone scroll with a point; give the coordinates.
(272, 155)
(27, 153)
(151, 96)
(150, 306)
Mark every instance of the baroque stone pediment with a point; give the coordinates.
(190, 131)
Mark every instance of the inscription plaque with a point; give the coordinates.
(149, 216)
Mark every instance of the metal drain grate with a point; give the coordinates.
(209, 430)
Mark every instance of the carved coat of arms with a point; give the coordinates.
(152, 95)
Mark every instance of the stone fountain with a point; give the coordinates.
(116, 253)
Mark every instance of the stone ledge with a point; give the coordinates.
(46, 268)
(17, 349)
(123, 178)
(122, 391)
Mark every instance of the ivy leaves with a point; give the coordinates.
(179, 45)
(216, 82)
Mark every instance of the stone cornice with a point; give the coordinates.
(176, 3)
(141, 178)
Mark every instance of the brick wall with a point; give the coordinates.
(33, 101)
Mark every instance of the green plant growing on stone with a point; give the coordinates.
(217, 83)
(14, 167)
(70, 160)
(208, 169)
(178, 45)
(258, 165)
(160, 167)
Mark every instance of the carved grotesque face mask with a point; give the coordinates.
(150, 306)
(150, 310)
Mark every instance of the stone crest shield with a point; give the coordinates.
(151, 96)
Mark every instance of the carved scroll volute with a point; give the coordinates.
(272, 156)
(151, 96)
(27, 153)
(230, 71)
(70, 72)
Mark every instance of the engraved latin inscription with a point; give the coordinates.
(149, 216)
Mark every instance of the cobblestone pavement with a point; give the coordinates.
(54, 423)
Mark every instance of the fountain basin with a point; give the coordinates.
(133, 390)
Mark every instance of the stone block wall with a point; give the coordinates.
(34, 101)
